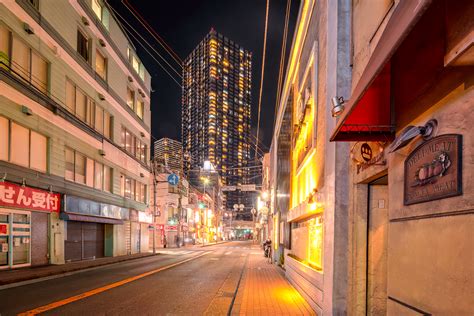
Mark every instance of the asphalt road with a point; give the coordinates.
(158, 285)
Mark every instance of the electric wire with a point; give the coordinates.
(149, 53)
(147, 26)
(282, 59)
(148, 43)
(263, 72)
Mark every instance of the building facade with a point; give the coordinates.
(216, 109)
(75, 135)
(309, 186)
(169, 152)
(408, 121)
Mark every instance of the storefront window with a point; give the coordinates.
(315, 241)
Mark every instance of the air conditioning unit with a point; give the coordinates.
(28, 29)
(85, 21)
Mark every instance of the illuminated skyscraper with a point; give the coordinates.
(216, 109)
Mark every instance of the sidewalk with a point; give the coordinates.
(30, 273)
(264, 290)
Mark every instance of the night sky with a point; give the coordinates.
(183, 24)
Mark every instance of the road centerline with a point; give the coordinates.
(104, 288)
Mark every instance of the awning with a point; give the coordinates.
(93, 219)
(368, 114)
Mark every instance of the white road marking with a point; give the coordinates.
(228, 252)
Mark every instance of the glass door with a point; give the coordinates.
(15, 238)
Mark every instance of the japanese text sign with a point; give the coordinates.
(14, 195)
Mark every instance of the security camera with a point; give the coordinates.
(337, 106)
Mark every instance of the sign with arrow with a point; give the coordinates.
(173, 179)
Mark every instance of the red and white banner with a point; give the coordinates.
(13, 195)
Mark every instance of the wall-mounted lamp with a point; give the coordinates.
(337, 106)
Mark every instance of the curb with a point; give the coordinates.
(62, 273)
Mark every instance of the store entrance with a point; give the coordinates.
(377, 235)
(84, 241)
(15, 237)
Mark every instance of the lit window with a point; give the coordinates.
(130, 98)
(140, 108)
(101, 12)
(101, 65)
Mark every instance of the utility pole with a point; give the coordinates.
(153, 163)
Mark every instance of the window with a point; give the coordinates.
(136, 63)
(133, 145)
(133, 189)
(28, 64)
(4, 131)
(85, 109)
(70, 96)
(98, 175)
(38, 151)
(101, 12)
(107, 179)
(80, 168)
(107, 124)
(99, 119)
(20, 58)
(130, 98)
(84, 170)
(101, 65)
(83, 45)
(20, 148)
(4, 46)
(140, 108)
(81, 101)
(69, 158)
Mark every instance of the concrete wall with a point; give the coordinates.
(431, 244)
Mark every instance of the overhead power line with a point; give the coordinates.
(282, 59)
(147, 26)
(144, 40)
(263, 72)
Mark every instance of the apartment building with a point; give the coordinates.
(75, 134)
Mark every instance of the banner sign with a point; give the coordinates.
(226, 188)
(14, 195)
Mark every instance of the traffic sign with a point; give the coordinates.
(229, 188)
(173, 179)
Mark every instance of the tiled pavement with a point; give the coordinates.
(265, 291)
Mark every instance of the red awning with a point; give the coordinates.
(368, 114)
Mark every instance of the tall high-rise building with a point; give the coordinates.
(217, 83)
(169, 152)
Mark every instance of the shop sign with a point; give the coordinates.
(367, 156)
(13, 195)
(144, 217)
(76, 205)
(434, 170)
(171, 227)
